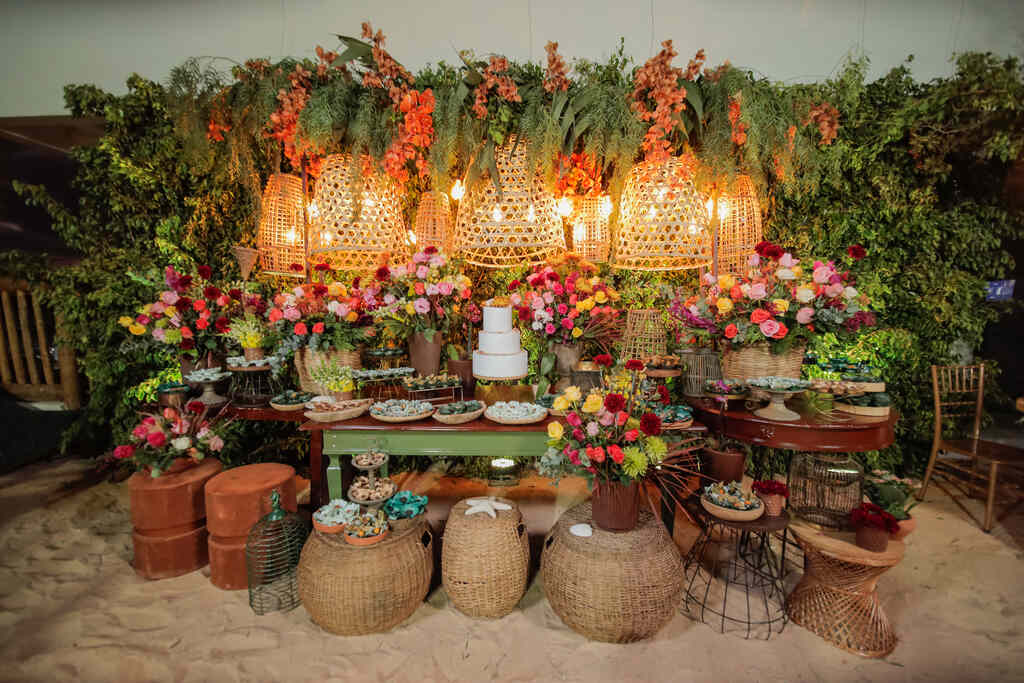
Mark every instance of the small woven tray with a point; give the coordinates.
(518, 421)
(337, 415)
(664, 372)
(288, 407)
(459, 419)
(729, 514)
(407, 418)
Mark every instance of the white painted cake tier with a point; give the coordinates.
(499, 366)
(497, 318)
(500, 343)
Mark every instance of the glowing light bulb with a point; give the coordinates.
(605, 208)
(564, 207)
(496, 214)
(458, 190)
(291, 236)
(723, 208)
(531, 215)
(368, 203)
(579, 233)
(652, 213)
(325, 236)
(693, 228)
(710, 204)
(661, 193)
(412, 237)
(312, 210)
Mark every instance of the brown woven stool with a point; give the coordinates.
(484, 561)
(354, 590)
(614, 587)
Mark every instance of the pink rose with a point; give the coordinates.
(156, 439)
(631, 435)
(292, 314)
(432, 289)
(606, 419)
(822, 274)
(159, 333)
(550, 328)
(754, 260)
(573, 299)
(758, 291)
(421, 306)
(420, 257)
(804, 315)
(122, 452)
(833, 290)
(573, 419)
(216, 443)
(769, 327)
(445, 287)
(389, 299)
(787, 260)
(140, 431)
(574, 456)
(275, 315)
(709, 279)
(567, 323)
(157, 308)
(558, 289)
(578, 434)
(621, 418)
(562, 309)
(516, 299)
(169, 298)
(548, 297)
(422, 272)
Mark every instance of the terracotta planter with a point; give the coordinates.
(725, 466)
(169, 519)
(341, 395)
(773, 503)
(464, 369)
(328, 528)
(425, 355)
(366, 540)
(907, 526)
(872, 538)
(615, 507)
(253, 354)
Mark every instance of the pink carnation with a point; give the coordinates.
(292, 314)
(421, 306)
(445, 287)
(550, 328)
(804, 315)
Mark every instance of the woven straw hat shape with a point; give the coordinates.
(740, 228)
(433, 225)
(484, 561)
(645, 334)
(343, 239)
(590, 224)
(663, 224)
(526, 232)
(280, 238)
(614, 587)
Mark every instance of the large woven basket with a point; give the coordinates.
(353, 590)
(484, 561)
(758, 361)
(307, 359)
(613, 587)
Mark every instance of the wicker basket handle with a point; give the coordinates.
(426, 538)
(521, 529)
(548, 541)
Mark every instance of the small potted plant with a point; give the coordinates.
(726, 458)
(874, 527)
(334, 378)
(773, 493)
(367, 529)
(333, 517)
(894, 495)
(249, 332)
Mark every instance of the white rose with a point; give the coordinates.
(785, 274)
(850, 292)
(537, 325)
(181, 443)
(804, 294)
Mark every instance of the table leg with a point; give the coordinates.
(316, 468)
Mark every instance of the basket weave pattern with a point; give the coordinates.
(612, 587)
(353, 590)
(281, 237)
(526, 230)
(342, 238)
(306, 359)
(484, 561)
(433, 221)
(739, 229)
(590, 237)
(645, 334)
(758, 360)
(663, 223)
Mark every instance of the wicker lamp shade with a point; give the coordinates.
(518, 228)
(663, 224)
(360, 219)
(589, 221)
(739, 226)
(433, 225)
(645, 334)
(281, 238)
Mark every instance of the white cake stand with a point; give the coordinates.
(776, 409)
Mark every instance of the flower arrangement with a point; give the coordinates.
(778, 300)
(891, 493)
(249, 331)
(323, 317)
(870, 515)
(421, 296)
(770, 487)
(333, 376)
(161, 438)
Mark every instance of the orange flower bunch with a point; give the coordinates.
(739, 129)
(253, 68)
(389, 74)
(693, 68)
(284, 122)
(658, 80)
(578, 176)
(493, 79)
(715, 75)
(556, 76)
(415, 135)
(326, 59)
(826, 118)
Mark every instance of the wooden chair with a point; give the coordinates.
(971, 465)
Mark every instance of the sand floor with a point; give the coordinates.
(71, 608)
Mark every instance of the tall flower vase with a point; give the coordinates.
(425, 355)
(566, 358)
(615, 506)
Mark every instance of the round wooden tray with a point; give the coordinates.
(288, 407)
(371, 501)
(519, 421)
(461, 418)
(337, 415)
(666, 372)
(729, 514)
(408, 418)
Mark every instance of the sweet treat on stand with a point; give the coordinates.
(370, 490)
(443, 381)
(731, 503)
(499, 354)
(369, 459)
(333, 517)
(515, 412)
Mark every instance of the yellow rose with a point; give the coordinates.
(560, 403)
(137, 329)
(409, 309)
(781, 305)
(352, 316)
(600, 297)
(555, 430)
(336, 289)
(724, 305)
(125, 321)
(170, 311)
(572, 393)
(797, 271)
(589, 303)
(577, 332)
(726, 282)
(593, 403)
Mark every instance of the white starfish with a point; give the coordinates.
(489, 505)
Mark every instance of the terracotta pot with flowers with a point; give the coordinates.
(874, 526)
(726, 458)
(894, 495)
(773, 494)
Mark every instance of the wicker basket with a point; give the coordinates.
(613, 587)
(589, 222)
(758, 361)
(432, 226)
(701, 365)
(307, 359)
(353, 590)
(281, 237)
(645, 334)
(739, 226)
(484, 561)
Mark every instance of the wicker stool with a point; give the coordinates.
(352, 590)
(614, 587)
(484, 561)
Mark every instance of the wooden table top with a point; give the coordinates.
(367, 423)
(842, 546)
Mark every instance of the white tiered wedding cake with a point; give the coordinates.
(499, 354)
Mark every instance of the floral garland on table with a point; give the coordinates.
(778, 300)
(161, 438)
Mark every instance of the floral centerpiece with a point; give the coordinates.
(249, 332)
(334, 377)
(874, 526)
(773, 493)
(163, 438)
(894, 495)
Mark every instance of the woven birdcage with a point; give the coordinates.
(589, 221)
(360, 219)
(663, 224)
(645, 334)
(823, 489)
(272, 556)
(433, 221)
(739, 226)
(281, 238)
(701, 365)
(518, 228)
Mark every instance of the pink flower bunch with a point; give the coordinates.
(163, 437)
(423, 294)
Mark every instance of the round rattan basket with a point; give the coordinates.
(589, 224)
(739, 226)
(281, 236)
(613, 587)
(433, 224)
(484, 561)
(353, 590)
(306, 359)
(758, 360)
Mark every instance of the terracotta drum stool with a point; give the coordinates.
(169, 520)
(614, 587)
(235, 501)
(484, 561)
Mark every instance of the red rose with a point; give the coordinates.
(552, 276)
(205, 272)
(604, 360)
(775, 252)
(663, 395)
(187, 344)
(221, 324)
(202, 324)
(211, 292)
(524, 313)
(296, 268)
(731, 331)
(856, 252)
(759, 315)
(321, 267)
(783, 331)
(650, 424)
(613, 403)
(355, 282)
(122, 452)
(514, 285)
(235, 294)
(195, 407)
(183, 303)
(634, 365)
(383, 274)
(319, 290)
(616, 454)
(300, 329)
(318, 328)
(430, 250)
(762, 248)
(156, 439)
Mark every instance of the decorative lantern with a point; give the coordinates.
(245, 258)
(645, 334)
(739, 226)
(701, 365)
(663, 223)
(272, 557)
(360, 219)
(518, 228)
(589, 222)
(823, 489)
(281, 238)
(433, 221)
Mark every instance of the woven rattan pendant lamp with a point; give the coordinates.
(739, 226)
(359, 219)
(433, 223)
(589, 221)
(281, 238)
(663, 224)
(517, 229)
